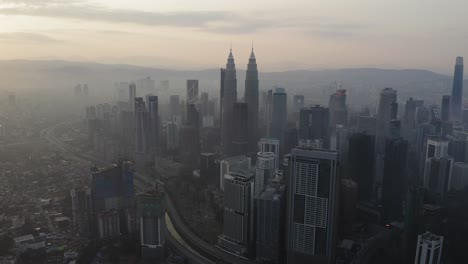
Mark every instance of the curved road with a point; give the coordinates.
(204, 248)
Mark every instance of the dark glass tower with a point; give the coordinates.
(314, 124)
(445, 108)
(457, 91)
(361, 163)
(252, 98)
(278, 123)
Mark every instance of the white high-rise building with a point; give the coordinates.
(429, 249)
(233, 163)
(265, 171)
(435, 149)
(268, 144)
(238, 212)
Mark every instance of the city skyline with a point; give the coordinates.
(185, 35)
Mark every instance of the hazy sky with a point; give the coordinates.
(293, 34)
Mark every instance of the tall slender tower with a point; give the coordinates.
(141, 133)
(457, 91)
(229, 98)
(251, 98)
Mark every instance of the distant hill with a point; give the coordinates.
(363, 84)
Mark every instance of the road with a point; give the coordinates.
(142, 182)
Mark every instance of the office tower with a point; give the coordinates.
(174, 106)
(268, 111)
(77, 91)
(338, 112)
(172, 136)
(361, 163)
(311, 206)
(367, 124)
(204, 100)
(190, 136)
(82, 210)
(151, 210)
(112, 193)
(230, 164)
(264, 171)
(238, 213)
(251, 97)
(153, 131)
(141, 133)
(429, 249)
(409, 119)
(314, 124)
(394, 177)
(456, 148)
(348, 202)
(221, 93)
(240, 136)
(394, 129)
(269, 207)
(132, 96)
(290, 140)
(229, 96)
(208, 167)
(267, 144)
(445, 109)
(434, 148)
(192, 91)
(146, 85)
(456, 103)
(459, 176)
(298, 102)
(279, 114)
(85, 90)
(388, 97)
(439, 173)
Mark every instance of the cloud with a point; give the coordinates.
(24, 37)
(99, 13)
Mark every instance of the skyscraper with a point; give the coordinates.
(311, 206)
(229, 97)
(267, 144)
(434, 148)
(174, 106)
(278, 124)
(141, 133)
(238, 233)
(172, 136)
(298, 102)
(264, 171)
(221, 94)
(151, 210)
(456, 103)
(192, 91)
(132, 95)
(240, 136)
(361, 163)
(314, 124)
(231, 164)
(153, 131)
(445, 108)
(269, 206)
(429, 249)
(251, 97)
(338, 110)
(394, 177)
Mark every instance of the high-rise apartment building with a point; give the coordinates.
(238, 230)
(265, 170)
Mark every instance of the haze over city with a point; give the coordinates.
(233, 132)
(289, 35)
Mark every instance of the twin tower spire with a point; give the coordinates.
(231, 144)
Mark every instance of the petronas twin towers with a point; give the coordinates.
(229, 98)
